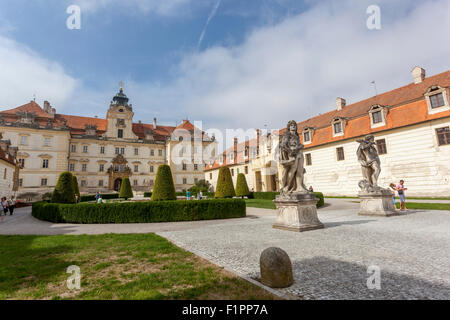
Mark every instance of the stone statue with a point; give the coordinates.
(292, 161)
(370, 163)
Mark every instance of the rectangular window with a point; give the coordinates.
(184, 181)
(84, 167)
(102, 168)
(232, 172)
(20, 182)
(308, 159)
(44, 182)
(337, 127)
(72, 167)
(136, 168)
(102, 150)
(210, 176)
(152, 152)
(100, 183)
(85, 149)
(152, 182)
(120, 133)
(83, 183)
(45, 163)
(377, 117)
(184, 166)
(152, 169)
(381, 146)
(47, 142)
(306, 137)
(160, 153)
(443, 135)
(22, 163)
(246, 169)
(117, 150)
(74, 148)
(136, 151)
(437, 100)
(340, 154)
(122, 150)
(195, 167)
(135, 182)
(23, 140)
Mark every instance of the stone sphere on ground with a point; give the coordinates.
(276, 268)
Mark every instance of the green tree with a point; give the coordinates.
(76, 190)
(64, 192)
(125, 189)
(225, 188)
(241, 186)
(164, 188)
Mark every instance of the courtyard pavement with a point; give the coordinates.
(412, 250)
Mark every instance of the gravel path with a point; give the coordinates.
(411, 250)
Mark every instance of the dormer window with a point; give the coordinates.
(437, 99)
(338, 125)
(308, 134)
(377, 114)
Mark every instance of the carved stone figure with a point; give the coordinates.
(370, 163)
(292, 161)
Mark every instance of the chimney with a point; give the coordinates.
(418, 74)
(340, 103)
(48, 108)
(154, 123)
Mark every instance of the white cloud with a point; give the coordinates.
(161, 7)
(24, 74)
(297, 68)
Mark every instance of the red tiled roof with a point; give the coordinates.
(408, 106)
(31, 107)
(6, 157)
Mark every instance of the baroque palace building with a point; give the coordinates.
(100, 152)
(411, 125)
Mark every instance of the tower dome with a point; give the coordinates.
(120, 99)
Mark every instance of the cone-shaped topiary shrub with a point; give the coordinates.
(164, 188)
(241, 186)
(125, 189)
(76, 190)
(64, 192)
(225, 188)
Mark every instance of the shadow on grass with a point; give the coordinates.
(325, 278)
(29, 264)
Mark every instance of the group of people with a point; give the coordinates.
(7, 205)
(199, 195)
(400, 188)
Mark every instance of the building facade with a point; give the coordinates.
(9, 169)
(100, 152)
(411, 126)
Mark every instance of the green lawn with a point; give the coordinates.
(113, 267)
(260, 203)
(412, 198)
(424, 206)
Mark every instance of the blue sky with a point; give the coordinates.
(261, 62)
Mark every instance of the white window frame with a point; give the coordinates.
(433, 90)
(378, 108)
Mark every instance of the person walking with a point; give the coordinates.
(5, 206)
(2, 211)
(200, 195)
(394, 188)
(401, 193)
(97, 196)
(11, 205)
(188, 195)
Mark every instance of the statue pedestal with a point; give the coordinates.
(376, 203)
(297, 212)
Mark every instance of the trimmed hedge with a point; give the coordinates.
(241, 186)
(104, 197)
(272, 195)
(225, 188)
(64, 192)
(125, 189)
(164, 188)
(140, 212)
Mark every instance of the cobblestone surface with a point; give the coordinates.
(412, 252)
